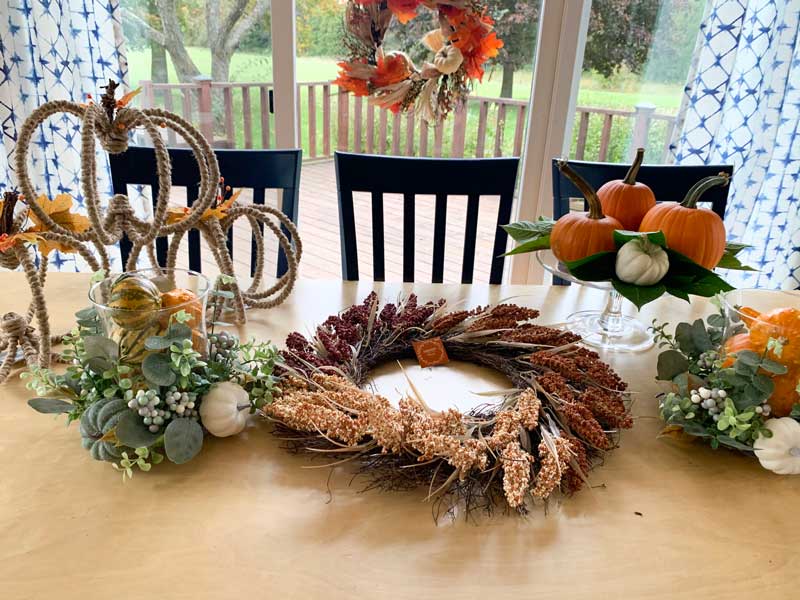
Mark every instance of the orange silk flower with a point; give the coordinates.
(404, 10)
(475, 37)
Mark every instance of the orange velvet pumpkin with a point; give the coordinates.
(784, 394)
(737, 343)
(625, 199)
(181, 299)
(577, 235)
(780, 323)
(694, 232)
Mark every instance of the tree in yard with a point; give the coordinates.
(516, 23)
(224, 32)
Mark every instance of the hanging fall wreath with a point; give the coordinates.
(562, 412)
(461, 45)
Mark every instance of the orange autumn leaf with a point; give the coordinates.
(176, 214)
(57, 209)
(9, 241)
(474, 35)
(348, 82)
(404, 10)
(392, 68)
(126, 99)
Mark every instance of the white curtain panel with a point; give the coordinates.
(742, 107)
(49, 50)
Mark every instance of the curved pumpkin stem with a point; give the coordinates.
(702, 186)
(630, 176)
(595, 209)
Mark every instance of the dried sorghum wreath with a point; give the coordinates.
(544, 436)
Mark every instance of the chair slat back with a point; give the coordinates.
(668, 182)
(257, 170)
(411, 177)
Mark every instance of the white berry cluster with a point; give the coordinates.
(713, 400)
(146, 403)
(182, 403)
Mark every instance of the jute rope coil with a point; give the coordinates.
(111, 128)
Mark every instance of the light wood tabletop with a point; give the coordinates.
(247, 520)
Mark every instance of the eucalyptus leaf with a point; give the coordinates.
(176, 332)
(795, 414)
(222, 294)
(670, 364)
(693, 338)
(157, 370)
(773, 367)
(748, 357)
(728, 441)
(98, 364)
(50, 405)
(100, 346)
(132, 432)
(183, 439)
(88, 313)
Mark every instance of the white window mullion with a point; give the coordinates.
(559, 58)
(284, 74)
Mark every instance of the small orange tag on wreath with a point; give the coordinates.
(430, 352)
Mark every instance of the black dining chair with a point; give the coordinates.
(379, 175)
(668, 182)
(258, 170)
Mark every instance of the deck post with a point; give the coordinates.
(642, 118)
(205, 110)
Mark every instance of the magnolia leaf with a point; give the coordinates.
(622, 237)
(670, 364)
(183, 439)
(733, 248)
(542, 243)
(522, 231)
(597, 267)
(157, 370)
(678, 293)
(132, 432)
(50, 405)
(639, 294)
(730, 261)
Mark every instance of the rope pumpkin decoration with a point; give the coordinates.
(110, 122)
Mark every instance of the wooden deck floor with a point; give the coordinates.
(319, 230)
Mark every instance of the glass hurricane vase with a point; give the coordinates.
(146, 303)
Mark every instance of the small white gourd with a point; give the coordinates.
(781, 452)
(448, 59)
(641, 262)
(224, 409)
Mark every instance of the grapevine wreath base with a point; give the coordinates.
(563, 413)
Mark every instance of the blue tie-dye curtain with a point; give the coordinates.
(742, 107)
(55, 50)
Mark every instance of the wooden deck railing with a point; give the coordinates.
(237, 115)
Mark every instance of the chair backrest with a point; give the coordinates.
(668, 182)
(258, 170)
(410, 177)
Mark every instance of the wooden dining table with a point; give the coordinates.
(663, 518)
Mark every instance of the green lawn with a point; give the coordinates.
(621, 92)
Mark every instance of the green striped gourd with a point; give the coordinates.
(134, 300)
(100, 418)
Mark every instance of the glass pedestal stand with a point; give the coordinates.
(608, 329)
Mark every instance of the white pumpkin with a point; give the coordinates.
(448, 59)
(641, 262)
(224, 409)
(781, 452)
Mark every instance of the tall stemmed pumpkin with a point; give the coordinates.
(577, 235)
(698, 233)
(626, 199)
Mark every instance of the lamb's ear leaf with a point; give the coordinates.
(50, 405)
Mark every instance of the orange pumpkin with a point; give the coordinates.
(784, 395)
(625, 199)
(577, 235)
(780, 323)
(694, 232)
(737, 343)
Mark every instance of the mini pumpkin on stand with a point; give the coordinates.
(627, 200)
